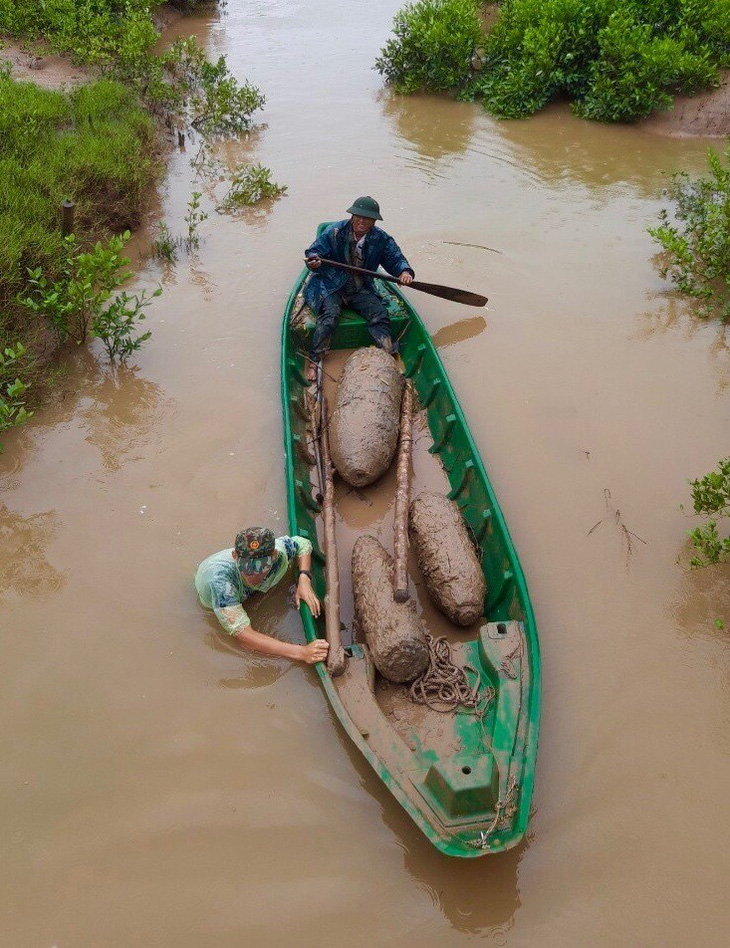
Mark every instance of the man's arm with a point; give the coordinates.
(394, 262)
(255, 641)
(322, 246)
(232, 616)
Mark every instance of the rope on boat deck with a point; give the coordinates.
(444, 687)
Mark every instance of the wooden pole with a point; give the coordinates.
(67, 218)
(403, 496)
(336, 659)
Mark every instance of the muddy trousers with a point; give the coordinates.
(365, 303)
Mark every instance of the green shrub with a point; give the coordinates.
(215, 102)
(711, 497)
(82, 298)
(432, 46)
(618, 60)
(697, 246)
(636, 71)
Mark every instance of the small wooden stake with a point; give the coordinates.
(67, 218)
(336, 659)
(403, 496)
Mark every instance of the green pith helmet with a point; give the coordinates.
(366, 207)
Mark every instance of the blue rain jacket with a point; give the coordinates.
(379, 249)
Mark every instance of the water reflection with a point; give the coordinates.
(459, 331)
(562, 148)
(673, 313)
(123, 410)
(703, 596)
(436, 127)
(24, 566)
(474, 895)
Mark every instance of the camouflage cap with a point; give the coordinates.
(256, 549)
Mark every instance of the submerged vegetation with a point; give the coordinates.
(616, 60)
(711, 497)
(98, 147)
(249, 185)
(167, 246)
(697, 247)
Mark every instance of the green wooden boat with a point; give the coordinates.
(465, 780)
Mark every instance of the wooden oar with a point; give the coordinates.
(445, 292)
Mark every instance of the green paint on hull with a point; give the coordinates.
(457, 795)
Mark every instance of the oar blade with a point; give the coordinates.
(450, 293)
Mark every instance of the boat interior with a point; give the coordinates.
(460, 769)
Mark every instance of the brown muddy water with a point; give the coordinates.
(161, 789)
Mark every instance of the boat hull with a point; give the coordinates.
(469, 791)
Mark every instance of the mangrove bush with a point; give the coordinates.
(616, 60)
(12, 389)
(711, 498)
(695, 237)
(432, 45)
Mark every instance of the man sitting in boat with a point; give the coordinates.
(359, 243)
(257, 562)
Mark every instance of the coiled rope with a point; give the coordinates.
(444, 687)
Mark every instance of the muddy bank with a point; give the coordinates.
(30, 63)
(704, 115)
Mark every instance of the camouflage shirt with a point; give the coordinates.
(222, 588)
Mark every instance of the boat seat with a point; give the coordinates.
(463, 785)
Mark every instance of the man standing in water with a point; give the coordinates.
(359, 243)
(257, 562)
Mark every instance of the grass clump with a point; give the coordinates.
(696, 238)
(94, 146)
(617, 60)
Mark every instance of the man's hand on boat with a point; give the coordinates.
(313, 263)
(306, 593)
(255, 641)
(315, 652)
